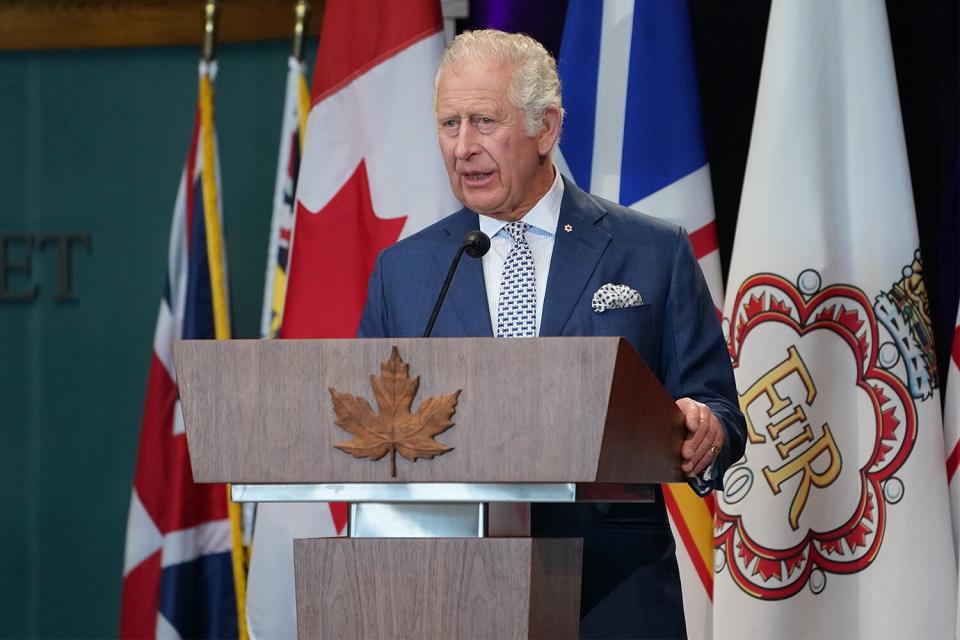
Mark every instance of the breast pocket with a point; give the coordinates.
(639, 325)
(610, 319)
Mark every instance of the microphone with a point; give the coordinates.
(476, 244)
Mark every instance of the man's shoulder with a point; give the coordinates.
(620, 221)
(437, 235)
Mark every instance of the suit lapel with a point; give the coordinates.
(575, 256)
(468, 292)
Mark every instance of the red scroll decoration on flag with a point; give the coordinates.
(809, 447)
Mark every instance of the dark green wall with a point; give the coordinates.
(93, 142)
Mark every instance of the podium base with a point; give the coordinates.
(438, 587)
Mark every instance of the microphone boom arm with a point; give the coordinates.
(476, 244)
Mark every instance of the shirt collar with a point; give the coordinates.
(543, 216)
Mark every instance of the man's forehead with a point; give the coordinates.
(466, 72)
(478, 82)
(470, 97)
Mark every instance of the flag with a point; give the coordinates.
(296, 105)
(270, 596)
(951, 432)
(633, 135)
(835, 524)
(370, 174)
(178, 577)
(371, 171)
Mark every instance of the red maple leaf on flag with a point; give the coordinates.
(333, 254)
(328, 283)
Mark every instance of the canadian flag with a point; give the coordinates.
(370, 174)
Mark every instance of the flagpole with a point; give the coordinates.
(302, 12)
(210, 197)
(209, 29)
(221, 318)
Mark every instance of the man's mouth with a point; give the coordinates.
(476, 178)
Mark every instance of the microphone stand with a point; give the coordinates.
(476, 244)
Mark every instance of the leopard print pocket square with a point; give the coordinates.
(615, 296)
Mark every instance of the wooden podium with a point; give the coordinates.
(441, 549)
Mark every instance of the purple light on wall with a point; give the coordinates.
(540, 19)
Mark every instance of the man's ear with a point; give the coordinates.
(550, 132)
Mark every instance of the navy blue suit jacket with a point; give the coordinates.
(630, 583)
(675, 330)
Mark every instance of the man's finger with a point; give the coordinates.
(700, 454)
(707, 434)
(697, 424)
(705, 455)
(706, 459)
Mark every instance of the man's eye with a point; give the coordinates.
(485, 124)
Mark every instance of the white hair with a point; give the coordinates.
(535, 85)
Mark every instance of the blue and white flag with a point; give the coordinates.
(633, 135)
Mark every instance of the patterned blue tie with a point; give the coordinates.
(517, 306)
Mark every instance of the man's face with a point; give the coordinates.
(494, 167)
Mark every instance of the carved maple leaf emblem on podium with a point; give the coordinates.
(394, 429)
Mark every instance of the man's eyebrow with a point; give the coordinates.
(493, 114)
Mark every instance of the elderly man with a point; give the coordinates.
(499, 115)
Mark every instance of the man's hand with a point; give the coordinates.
(705, 438)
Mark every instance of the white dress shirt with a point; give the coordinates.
(542, 218)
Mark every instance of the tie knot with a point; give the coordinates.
(516, 229)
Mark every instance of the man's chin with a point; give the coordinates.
(483, 206)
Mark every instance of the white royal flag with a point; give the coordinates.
(951, 432)
(836, 522)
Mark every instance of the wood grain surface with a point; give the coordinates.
(537, 410)
(555, 579)
(437, 588)
(57, 24)
(508, 519)
(634, 393)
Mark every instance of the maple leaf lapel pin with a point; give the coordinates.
(394, 428)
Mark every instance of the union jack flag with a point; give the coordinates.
(178, 578)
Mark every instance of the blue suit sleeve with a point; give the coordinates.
(373, 322)
(695, 357)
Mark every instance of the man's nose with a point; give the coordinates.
(466, 142)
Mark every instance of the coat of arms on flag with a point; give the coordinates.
(816, 360)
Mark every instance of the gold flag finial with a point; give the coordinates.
(301, 11)
(209, 29)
